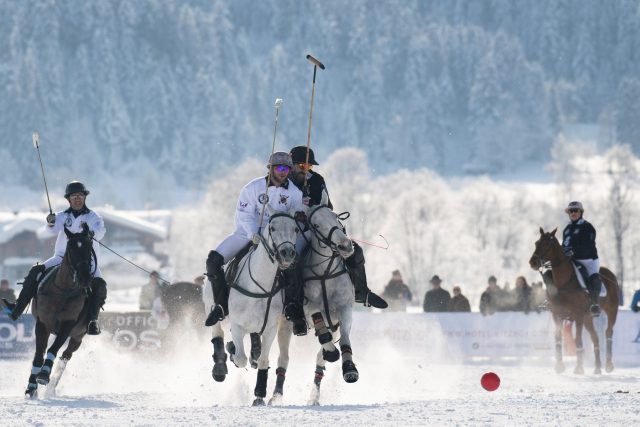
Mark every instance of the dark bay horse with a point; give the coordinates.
(568, 300)
(59, 308)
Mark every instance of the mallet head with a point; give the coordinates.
(278, 102)
(315, 62)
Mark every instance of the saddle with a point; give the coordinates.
(583, 277)
(48, 277)
(232, 267)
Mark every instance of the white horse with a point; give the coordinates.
(255, 300)
(329, 291)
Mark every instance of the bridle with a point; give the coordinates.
(322, 239)
(269, 244)
(542, 261)
(75, 264)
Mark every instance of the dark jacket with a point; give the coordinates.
(580, 237)
(396, 289)
(459, 303)
(522, 299)
(492, 301)
(316, 185)
(436, 300)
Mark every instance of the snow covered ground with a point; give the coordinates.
(104, 387)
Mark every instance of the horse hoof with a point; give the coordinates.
(579, 370)
(30, 393)
(219, 371)
(349, 371)
(276, 399)
(559, 368)
(259, 401)
(331, 356)
(231, 347)
(608, 367)
(597, 371)
(254, 364)
(218, 377)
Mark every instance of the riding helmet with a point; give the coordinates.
(299, 155)
(574, 205)
(75, 187)
(280, 158)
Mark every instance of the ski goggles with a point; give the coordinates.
(304, 166)
(281, 168)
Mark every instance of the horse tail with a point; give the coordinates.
(611, 284)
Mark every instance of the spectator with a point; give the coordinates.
(437, 299)
(6, 292)
(538, 296)
(397, 293)
(493, 298)
(635, 302)
(459, 302)
(150, 291)
(521, 295)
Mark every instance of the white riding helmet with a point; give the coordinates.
(574, 205)
(280, 158)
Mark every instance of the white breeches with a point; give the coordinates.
(592, 265)
(232, 244)
(56, 260)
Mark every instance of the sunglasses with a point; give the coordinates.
(304, 166)
(574, 210)
(281, 168)
(77, 196)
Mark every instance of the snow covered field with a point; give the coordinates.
(104, 387)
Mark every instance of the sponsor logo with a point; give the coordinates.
(243, 205)
(68, 222)
(263, 198)
(284, 199)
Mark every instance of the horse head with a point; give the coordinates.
(326, 227)
(548, 249)
(281, 234)
(78, 254)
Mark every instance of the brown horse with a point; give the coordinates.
(568, 300)
(60, 308)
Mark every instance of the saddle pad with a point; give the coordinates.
(603, 289)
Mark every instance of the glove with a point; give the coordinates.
(51, 219)
(255, 239)
(300, 217)
(568, 252)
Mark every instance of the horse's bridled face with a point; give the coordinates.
(284, 233)
(541, 253)
(326, 223)
(79, 247)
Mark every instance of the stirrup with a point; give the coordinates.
(216, 315)
(300, 327)
(373, 300)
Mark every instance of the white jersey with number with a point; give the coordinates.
(74, 225)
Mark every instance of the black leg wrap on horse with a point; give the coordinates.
(280, 377)
(261, 383)
(256, 348)
(325, 338)
(219, 371)
(331, 356)
(215, 262)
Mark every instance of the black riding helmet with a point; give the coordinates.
(299, 155)
(75, 187)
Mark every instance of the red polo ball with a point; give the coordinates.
(490, 381)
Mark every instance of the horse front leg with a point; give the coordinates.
(558, 339)
(349, 371)
(314, 399)
(238, 354)
(285, 332)
(63, 333)
(579, 369)
(260, 392)
(42, 337)
(219, 371)
(609, 336)
(329, 351)
(596, 344)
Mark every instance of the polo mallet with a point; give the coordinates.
(277, 104)
(36, 143)
(316, 64)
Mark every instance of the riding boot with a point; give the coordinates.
(355, 265)
(293, 300)
(97, 297)
(595, 285)
(215, 261)
(29, 289)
